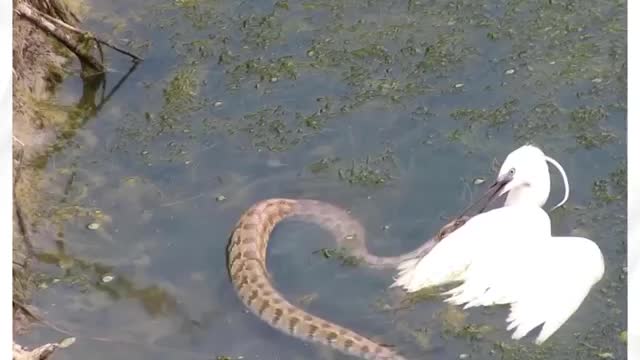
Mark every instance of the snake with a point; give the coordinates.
(247, 267)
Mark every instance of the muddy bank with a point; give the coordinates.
(39, 65)
(49, 44)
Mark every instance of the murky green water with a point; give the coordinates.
(389, 108)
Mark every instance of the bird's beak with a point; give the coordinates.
(493, 192)
(497, 189)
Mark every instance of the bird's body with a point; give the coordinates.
(508, 256)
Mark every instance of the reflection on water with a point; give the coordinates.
(391, 109)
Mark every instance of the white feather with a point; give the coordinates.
(449, 260)
(508, 256)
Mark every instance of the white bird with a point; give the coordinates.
(508, 255)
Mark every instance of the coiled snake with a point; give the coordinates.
(247, 252)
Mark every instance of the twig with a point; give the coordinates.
(40, 21)
(22, 225)
(30, 313)
(16, 139)
(99, 50)
(109, 44)
(116, 87)
(180, 201)
(90, 36)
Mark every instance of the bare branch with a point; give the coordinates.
(59, 28)
(40, 21)
(91, 36)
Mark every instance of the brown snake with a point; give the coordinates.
(247, 252)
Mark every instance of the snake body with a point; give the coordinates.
(247, 267)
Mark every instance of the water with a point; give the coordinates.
(389, 108)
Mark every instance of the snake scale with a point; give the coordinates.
(247, 252)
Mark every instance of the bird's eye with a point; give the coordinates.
(512, 171)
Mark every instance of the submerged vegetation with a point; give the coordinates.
(374, 105)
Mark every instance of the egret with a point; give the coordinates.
(508, 256)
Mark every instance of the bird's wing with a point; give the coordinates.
(568, 269)
(545, 283)
(476, 244)
(507, 256)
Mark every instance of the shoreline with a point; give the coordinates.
(39, 67)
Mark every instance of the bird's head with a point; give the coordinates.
(524, 177)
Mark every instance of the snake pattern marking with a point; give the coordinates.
(247, 252)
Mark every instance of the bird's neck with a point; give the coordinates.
(527, 195)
